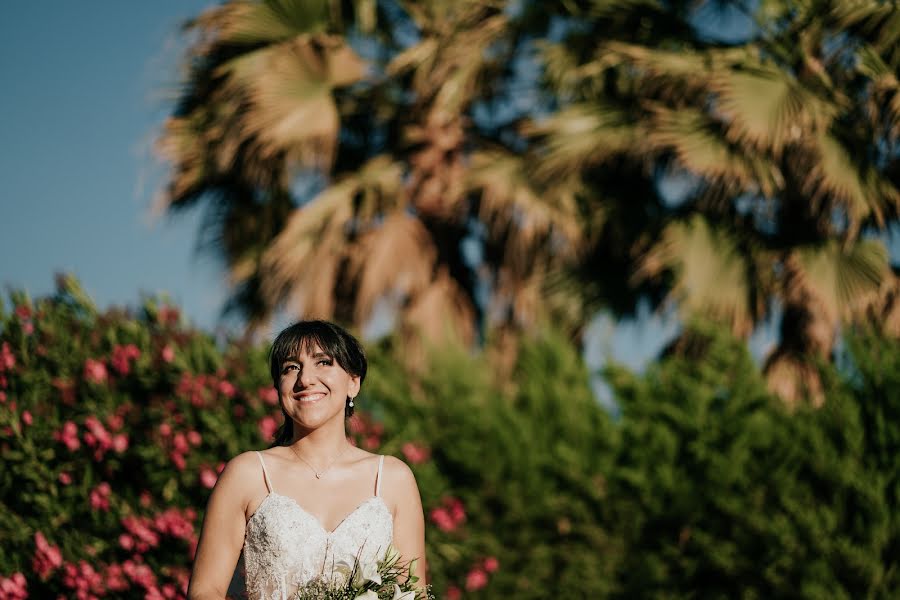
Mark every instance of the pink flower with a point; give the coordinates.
(27, 327)
(220, 467)
(180, 443)
(7, 358)
(227, 389)
(14, 588)
(441, 518)
(165, 429)
(99, 496)
(122, 357)
(453, 593)
(139, 573)
(415, 453)
(95, 371)
(23, 312)
(141, 528)
(97, 437)
(167, 354)
(120, 443)
(115, 578)
(449, 515)
(68, 436)
(2, 397)
(175, 523)
(115, 422)
(208, 477)
(269, 395)
(178, 460)
(267, 427)
(126, 541)
(82, 578)
(371, 442)
(457, 512)
(65, 478)
(194, 438)
(47, 558)
(26, 417)
(476, 579)
(491, 564)
(169, 315)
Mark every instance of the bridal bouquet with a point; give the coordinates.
(375, 580)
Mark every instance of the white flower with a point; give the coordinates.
(401, 595)
(340, 574)
(370, 595)
(366, 572)
(391, 555)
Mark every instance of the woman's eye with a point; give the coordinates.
(288, 368)
(326, 361)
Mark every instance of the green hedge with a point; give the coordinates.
(114, 425)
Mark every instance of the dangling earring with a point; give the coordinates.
(351, 402)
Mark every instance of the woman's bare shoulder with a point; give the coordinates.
(240, 470)
(398, 475)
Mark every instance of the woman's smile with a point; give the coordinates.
(309, 397)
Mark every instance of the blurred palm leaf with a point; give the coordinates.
(513, 208)
(700, 147)
(765, 108)
(302, 263)
(584, 136)
(711, 276)
(843, 279)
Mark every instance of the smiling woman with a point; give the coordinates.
(335, 504)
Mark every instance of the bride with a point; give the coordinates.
(313, 499)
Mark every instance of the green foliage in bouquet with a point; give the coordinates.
(386, 579)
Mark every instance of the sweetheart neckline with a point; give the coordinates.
(314, 518)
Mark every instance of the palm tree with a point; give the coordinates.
(402, 173)
(347, 153)
(788, 139)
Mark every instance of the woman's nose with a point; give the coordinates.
(305, 378)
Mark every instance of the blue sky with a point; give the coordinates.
(87, 85)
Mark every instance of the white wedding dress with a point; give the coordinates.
(286, 547)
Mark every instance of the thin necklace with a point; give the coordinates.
(314, 470)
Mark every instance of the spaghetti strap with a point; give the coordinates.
(378, 476)
(265, 473)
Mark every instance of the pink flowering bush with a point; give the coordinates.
(115, 428)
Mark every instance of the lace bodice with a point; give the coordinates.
(285, 546)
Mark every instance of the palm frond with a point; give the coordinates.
(245, 22)
(395, 257)
(290, 110)
(710, 274)
(699, 145)
(442, 311)
(583, 136)
(303, 261)
(875, 20)
(840, 279)
(510, 205)
(766, 108)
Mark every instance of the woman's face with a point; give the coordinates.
(313, 388)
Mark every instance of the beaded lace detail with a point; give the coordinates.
(286, 547)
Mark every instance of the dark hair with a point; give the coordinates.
(305, 336)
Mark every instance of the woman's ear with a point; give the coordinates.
(353, 389)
